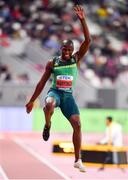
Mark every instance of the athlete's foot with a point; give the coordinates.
(78, 164)
(46, 132)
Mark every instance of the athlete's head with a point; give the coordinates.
(67, 49)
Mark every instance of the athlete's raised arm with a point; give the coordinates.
(85, 44)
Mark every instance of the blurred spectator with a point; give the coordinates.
(49, 22)
(22, 78)
(5, 74)
(122, 79)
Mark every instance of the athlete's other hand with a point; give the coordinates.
(29, 107)
(79, 11)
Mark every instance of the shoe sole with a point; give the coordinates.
(80, 169)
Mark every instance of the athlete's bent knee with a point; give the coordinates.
(50, 100)
(49, 105)
(76, 124)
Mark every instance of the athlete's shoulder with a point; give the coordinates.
(74, 58)
(49, 65)
(56, 60)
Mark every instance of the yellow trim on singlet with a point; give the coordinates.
(66, 66)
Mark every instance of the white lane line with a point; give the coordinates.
(3, 173)
(40, 158)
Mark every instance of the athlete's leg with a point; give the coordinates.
(70, 110)
(49, 109)
(76, 138)
(52, 100)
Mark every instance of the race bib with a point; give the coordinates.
(64, 81)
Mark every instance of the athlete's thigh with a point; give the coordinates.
(68, 106)
(52, 95)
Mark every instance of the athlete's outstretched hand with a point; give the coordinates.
(29, 107)
(79, 11)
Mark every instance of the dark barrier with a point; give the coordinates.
(97, 154)
(104, 154)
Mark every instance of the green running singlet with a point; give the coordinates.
(64, 74)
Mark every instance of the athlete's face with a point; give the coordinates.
(67, 52)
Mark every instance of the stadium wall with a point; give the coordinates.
(93, 120)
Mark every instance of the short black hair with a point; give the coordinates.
(68, 42)
(109, 118)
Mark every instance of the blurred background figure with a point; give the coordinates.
(113, 137)
(113, 133)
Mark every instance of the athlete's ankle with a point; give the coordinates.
(48, 125)
(77, 159)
